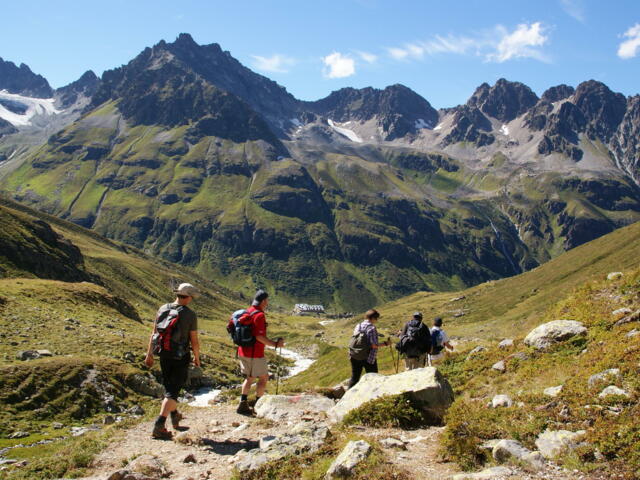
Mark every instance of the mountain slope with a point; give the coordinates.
(367, 195)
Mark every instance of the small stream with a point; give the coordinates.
(203, 396)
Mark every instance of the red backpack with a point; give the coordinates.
(163, 340)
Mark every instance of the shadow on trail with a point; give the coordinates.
(229, 447)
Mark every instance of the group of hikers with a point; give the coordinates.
(175, 335)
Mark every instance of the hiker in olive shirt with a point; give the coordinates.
(175, 363)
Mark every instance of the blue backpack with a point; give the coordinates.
(436, 342)
(240, 328)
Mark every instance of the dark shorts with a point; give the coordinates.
(174, 375)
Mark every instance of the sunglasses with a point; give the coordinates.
(182, 296)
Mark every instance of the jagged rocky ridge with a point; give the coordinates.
(361, 196)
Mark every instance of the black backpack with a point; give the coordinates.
(240, 328)
(359, 345)
(436, 342)
(416, 341)
(164, 340)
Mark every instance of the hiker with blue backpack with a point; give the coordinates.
(248, 329)
(439, 342)
(415, 342)
(174, 331)
(364, 346)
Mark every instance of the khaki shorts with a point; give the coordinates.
(253, 367)
(414, 362)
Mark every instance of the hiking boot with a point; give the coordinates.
(160, 432)
(176, 416)
(244, 408)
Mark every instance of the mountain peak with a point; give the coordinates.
(23, 81)
(504, 101)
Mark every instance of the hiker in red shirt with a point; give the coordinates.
(252, 362)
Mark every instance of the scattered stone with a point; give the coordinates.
(499, 366)
(15, 435)
(337, 392)
(633, 333)
(476, 351)
(25, 355)
(522, 356)
(621, 311)
(633, 317)
(614, 276)
(241, 427)
(136, 410)
(44, 353)
(493, 473)
(148, 465)
(79, 431)
(187, 438)
(57, 425)
(266, 441)
(609, 375)
(426, 385)
(190, 459)
(283, 407)
(501, 401)
(108, 420)
(552, 443)
(302, 437)
(506, 343)
(457, 299)
(129, 357)
(552, 391)
(146, 385)
(235, 424)
(504, 450)
(546, 335)
(565, 412)
(393, 443)
(613, 390)
(350, 457)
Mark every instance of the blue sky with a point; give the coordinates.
(442, 50)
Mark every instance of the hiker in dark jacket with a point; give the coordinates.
(415, 339)
(370, 363)
(175, 363)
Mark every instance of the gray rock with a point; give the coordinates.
(284, 407)
(426, 385)
(621, 311)
(57, 425)
(506, 343)
(493, 473)
(552, 443)
(148, 465)
(145, 385)
(614, 275)
(552, 391)
(351, 456)
(136, 410)
(522, 356)
(613, 390)
(633, 333)
(632, 317)
(15, 435)
(548, 334)
(475, 351)
(393, 443)
(266, 441)
(499, 366)
(609, 375)
(505, 450)
(108, 420)
(44, 353)
(501, 401)
(25, 355)
(304, 437)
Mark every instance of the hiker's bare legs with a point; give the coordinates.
(246, 385)
(168, 406)
(262, 385)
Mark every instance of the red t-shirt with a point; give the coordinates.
(259, 328)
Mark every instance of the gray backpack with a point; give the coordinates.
(359, 346)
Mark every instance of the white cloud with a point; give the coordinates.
(367, 57)
(574, 8)
(496, 45)
(338, 65)
(275, 63)
(629, 48)
(521, 43)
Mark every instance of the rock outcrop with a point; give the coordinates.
(352, 455)
(288, 408)
(548, 334)
(426, 385)
(552, 443)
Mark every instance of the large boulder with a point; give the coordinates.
(426, 385)
(350, 457)
(548, 334)
(552, 443)
(283, 407)
(505, 450)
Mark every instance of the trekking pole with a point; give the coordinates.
(393, 360)
(278, 369)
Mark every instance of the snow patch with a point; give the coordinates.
(296, 122)
(504, 130)
(350, 134)
(34, 106)
(438, 127)
(420, 123)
